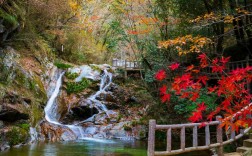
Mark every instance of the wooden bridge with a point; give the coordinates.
(127, 65)
(135, 66)
(195, 146)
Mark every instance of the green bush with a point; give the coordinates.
(76, 87)
(16, 136)
(186, 107)
(61, 65)
(72, 76)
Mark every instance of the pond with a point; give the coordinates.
(82, 148)
(90, 147)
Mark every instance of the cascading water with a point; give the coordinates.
(51, 110)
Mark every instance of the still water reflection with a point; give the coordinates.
(81, 148)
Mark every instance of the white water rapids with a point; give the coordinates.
(51, 109)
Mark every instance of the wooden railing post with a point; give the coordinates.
(151, 138)
(219, 138)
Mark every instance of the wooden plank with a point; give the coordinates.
(182, 138)
(195, 136)
(187, 125)
(207, 135)
(169, 137)
(232, 134)
(151, 138)
(219, 138)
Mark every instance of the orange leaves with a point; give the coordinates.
(139, 32)
(186, 44)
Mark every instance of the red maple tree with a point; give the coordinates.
(231, 89)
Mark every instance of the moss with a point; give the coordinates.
(76, 87)
(126, 127)
(16, 136)
(94, 67)
(9, 20)
(134, 123)
(36, 113)
(71, 76)
(24, 126)
(61, 65)
(119, 117)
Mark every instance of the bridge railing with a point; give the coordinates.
(195, 146)
(126, 64)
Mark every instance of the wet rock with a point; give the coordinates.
(4, 147)
(101, 118)
(54, 132)
(111, 105)
(106, 97)
(79, 113)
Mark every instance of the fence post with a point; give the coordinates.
(219, 138)
(151, 138)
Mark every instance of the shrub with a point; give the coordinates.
(61, 65)
(76, 87)
(16, 135)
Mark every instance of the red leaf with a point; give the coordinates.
(196, 116)
(203, 79)
(224, 60)
(165, 97)
(201, 107)
(160, 75)
(163, 90)
(195, 96)
(174, 66)
(189, 68)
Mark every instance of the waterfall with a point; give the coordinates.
(51, 110)
(51, 106)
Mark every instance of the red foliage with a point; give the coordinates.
(231, 89)
(160, 75)
(165, 98)
(174, 66)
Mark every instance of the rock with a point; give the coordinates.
(106, 97)
(11, 115)
(54, 132)
(101, 118)
(79, 113)
(111, 105)
(1, 124)
(4, 147)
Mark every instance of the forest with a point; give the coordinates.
(98, 72)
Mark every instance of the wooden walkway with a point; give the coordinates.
(195, 126)
(127, 65)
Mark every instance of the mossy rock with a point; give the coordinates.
(17, 135)
(71, 76)
(76, 87)
(61, 65)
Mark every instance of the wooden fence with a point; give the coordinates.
(194, 126)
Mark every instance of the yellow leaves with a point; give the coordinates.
(228, 19)
(74, 5)
(242, 11)
(186, 44)
(207, 17)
